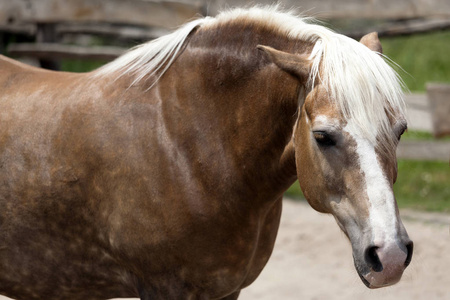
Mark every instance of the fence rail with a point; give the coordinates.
(166, 14)
(49, 21)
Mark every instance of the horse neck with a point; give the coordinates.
(240, 104)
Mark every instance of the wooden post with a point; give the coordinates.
(439, 100)
(46, 33)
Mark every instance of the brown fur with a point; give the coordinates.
(112, 192)
(168, 193)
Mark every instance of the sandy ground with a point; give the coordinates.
(312, 261)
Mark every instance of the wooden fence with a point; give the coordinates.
(47, 23)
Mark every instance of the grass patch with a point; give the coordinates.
(295, 192)
(422, 185)
(418, 135)
(424, 56)
(79, 65)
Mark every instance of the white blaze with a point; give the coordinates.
(382, 213)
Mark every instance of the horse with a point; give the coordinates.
(161, 174)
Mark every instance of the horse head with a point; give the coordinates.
(345, 157)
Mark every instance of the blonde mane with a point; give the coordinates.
(361, 83)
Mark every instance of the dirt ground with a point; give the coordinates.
(312, 261)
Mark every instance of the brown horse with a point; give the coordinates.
(161, 174)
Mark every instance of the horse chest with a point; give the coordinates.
(239, 258)
(212, 256)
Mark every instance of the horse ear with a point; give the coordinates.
(294, 64)
(372, 42)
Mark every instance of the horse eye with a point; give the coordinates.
(323, 139)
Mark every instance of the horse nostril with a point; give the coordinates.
(372, 259)
(409, 249)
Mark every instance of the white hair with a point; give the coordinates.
(150, 57)
(361, 83)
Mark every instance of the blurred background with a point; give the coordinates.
(81, 35)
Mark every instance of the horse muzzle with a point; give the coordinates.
(383, 265)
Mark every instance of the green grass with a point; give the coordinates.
(417, 135)
(423, 185)
(414, 135)
(78, 65)
(295, 191)
(425, 57)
